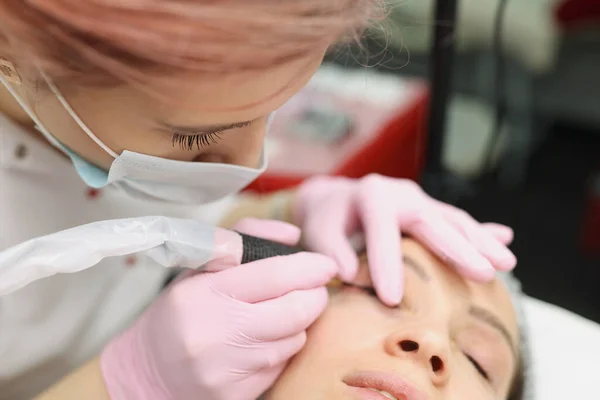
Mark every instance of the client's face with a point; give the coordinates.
(449, 339)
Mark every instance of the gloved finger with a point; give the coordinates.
(274, 277)
(277, 231)
(287, 315)
(451, 247)
(496, 252)
(268, 355)
(502, 233)
(329, 236)
(384, 249)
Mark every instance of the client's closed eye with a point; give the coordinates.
(365, 289)
(369, 290)
(480, 370)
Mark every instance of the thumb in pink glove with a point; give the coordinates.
(330, 209)
(225, 335)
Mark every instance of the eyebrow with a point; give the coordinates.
(206, 129)
(417, 268)
(408, 262)
(490, 319)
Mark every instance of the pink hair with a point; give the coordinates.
(144, 40)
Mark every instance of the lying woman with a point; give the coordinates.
(449, 339)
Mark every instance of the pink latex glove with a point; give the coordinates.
(224, 335)
(330, 209)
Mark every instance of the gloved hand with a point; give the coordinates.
(330, 209)
(225, 335)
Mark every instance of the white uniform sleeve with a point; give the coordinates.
(171, 242)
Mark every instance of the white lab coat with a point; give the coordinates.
(54, 325)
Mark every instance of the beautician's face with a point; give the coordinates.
(185, 123)
(450, 339)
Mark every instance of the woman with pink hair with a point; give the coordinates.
(153, 107)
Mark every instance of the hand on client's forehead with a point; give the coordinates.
(411, 260)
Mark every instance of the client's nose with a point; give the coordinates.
(426, 347)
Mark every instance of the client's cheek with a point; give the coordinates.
(351, 320)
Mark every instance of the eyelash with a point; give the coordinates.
(478, 367)
(367, 290)
(189, 142)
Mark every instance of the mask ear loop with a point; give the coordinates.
(74, 115)
(38, 124)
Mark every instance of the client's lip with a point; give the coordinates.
(383, 384)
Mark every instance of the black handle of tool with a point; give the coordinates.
(256, 248)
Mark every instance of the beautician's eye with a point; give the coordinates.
(191, 142)
(478, 367)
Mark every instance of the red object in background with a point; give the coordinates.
(391, 143)
(591, 225)
(576, 13)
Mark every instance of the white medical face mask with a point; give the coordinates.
(149, 177)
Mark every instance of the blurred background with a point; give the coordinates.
(492, 105)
